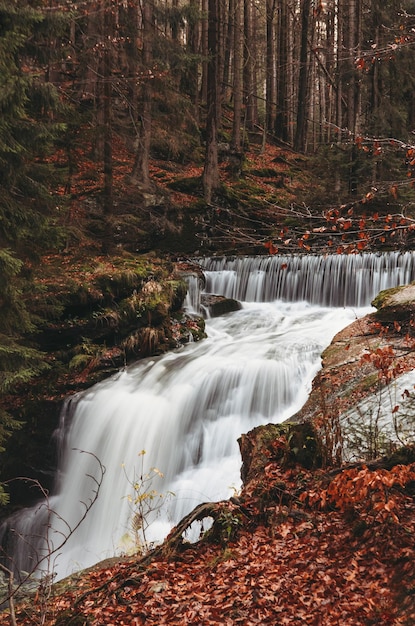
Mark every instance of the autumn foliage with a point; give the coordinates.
(295, 547)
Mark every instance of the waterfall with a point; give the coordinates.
(187, 408)
(194, 290)
(330, 280)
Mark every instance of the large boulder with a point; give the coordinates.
(219, 305)
(396, 304)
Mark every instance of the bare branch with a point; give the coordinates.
(52, 550)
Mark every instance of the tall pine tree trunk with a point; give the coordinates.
(353, 87)
(205, 50)
(300, 140)
(271, 93)
(249, 65)
(211, 170)
(193, 38)
(283, 69)
(237, 76)
(140, 173)
(107, 78)
(228, 51)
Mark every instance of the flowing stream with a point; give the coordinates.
(187, 408)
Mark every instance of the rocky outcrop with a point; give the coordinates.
(368, 353)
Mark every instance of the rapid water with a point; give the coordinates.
(186, 409)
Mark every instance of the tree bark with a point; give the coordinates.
(107, 78)
(210, 177)
(140, 173)
(300, 140)
(353, 88)
(229, 49)
(193, 38)
(205, 50)
(249, 66)
(271, 93)
(281, 127)
(237, 76)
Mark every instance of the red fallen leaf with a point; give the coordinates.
(270, 247)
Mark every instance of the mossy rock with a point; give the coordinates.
(397, 304)
(287, 444)
(258, 449)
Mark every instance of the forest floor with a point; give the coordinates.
(272, 201)
(170, 215)
(295, 547)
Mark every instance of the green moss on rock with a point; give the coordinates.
(395, 304)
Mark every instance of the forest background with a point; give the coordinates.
(135, 132)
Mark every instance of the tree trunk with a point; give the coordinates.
(211, 170)
(281, 128)
(237, 78)
(205, 51)
(193, 40)
(353, 89)
(107, 78)
(249, 66)
(271, 92)
(140, 173)
(228, 52)
(300, 140)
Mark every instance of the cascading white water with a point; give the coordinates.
(330, 280)
(188, 408)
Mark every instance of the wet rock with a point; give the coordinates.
(219, 305)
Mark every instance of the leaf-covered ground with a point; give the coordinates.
(296, 547)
